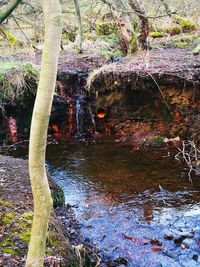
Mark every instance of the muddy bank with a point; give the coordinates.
(16, 218)
(139, 98)
(149, 94)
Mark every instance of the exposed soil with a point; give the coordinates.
(155, 92)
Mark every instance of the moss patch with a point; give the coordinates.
(25, 236)
(106, 28)
(186, 24)
(157, 34)
(171, 29)
(10, 251)
(12, 40)
(7, 219)
(28, 215)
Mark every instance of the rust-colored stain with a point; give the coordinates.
(55, 129)
(177, 116)
(60, 88)
(12, 129)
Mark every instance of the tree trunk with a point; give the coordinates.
(144, 24)
(80, 27)
(39, 126)
(8, 9)
(126, 30)
(124, 25)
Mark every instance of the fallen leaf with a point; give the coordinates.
(157, 248)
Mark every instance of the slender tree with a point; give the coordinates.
(8, 9)
(80, 27)
(37, 149)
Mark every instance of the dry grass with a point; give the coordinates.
(17, 81)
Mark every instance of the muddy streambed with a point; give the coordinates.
(136, 206)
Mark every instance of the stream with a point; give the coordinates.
(137, 206)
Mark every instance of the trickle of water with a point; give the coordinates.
(78, 108)
(79, 115)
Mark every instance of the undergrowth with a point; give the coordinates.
(18, 80)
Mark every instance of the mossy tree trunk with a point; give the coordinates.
(39, 126)
(126, 30)
(8, 9)
(143, 24)
(80, 26)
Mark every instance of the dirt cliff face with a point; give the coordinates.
(139, 114)
(135, 98)
(145, 96)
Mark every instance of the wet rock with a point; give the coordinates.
(195, 257)
(156, 248)
(184, 246)
(178, 241)
(118, 262)
(156, 144)
(168, 236)
(156, 242)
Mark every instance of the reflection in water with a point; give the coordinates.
(121, 191)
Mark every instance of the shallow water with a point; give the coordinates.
(124, 198)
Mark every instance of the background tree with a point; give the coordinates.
(123, 23)
(143, 23)
(8, 9)
(80, 27)
(40, 120)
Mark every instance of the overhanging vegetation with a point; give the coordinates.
(18, 80)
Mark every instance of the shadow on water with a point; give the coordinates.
(124, 199)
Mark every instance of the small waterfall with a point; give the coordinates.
(80, 121)
(79, 115)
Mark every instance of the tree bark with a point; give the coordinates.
(124, 25)
(39, 126)
(126, 30)
(143, 25)
(80, 27)
(8, 9)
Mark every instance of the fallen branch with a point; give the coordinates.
(190, 155)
